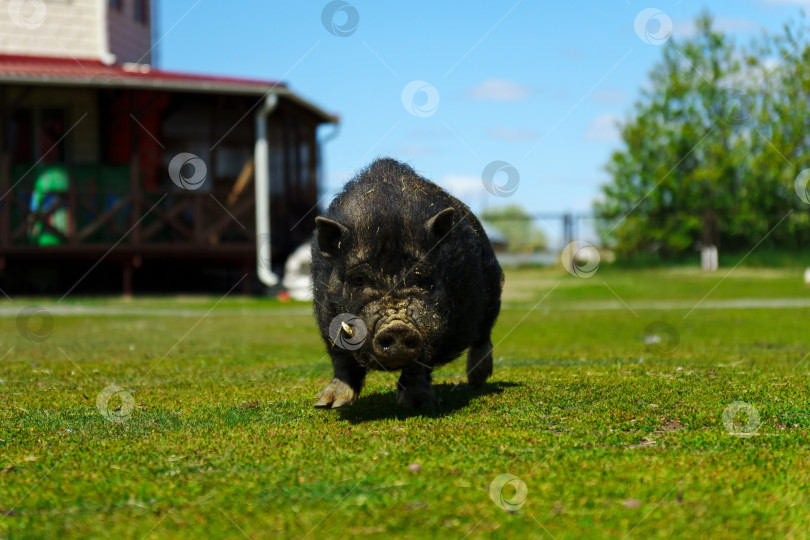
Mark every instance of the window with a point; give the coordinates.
(38, 134)
(142, 11)
(117, 5)
(22, 136)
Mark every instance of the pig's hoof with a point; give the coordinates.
(479, 365)
(416, 397)
(336, 394)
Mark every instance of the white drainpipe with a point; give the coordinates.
(261, 157)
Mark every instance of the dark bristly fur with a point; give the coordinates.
(388, 251)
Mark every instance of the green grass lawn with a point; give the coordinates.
(611, 437)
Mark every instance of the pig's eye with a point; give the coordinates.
(359, 277)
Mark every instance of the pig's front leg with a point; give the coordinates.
(346, 383)
(414, 387)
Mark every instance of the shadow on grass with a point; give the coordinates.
(451, 397)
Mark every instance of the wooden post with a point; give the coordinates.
(135, 178)
(312, 195)
(568, 234)
(286, 142)
(126, 279)
(213, 122)
(197, 225)
(5, 165)
(72, 220)
(247, 280)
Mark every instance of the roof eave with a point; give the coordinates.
(203, 87)
(323, 115)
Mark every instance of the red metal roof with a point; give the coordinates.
(92, 72)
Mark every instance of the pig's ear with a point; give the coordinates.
(439, 226)
(331, 235)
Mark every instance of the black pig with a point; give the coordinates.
(404, 278)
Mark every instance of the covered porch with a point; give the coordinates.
(85, 156)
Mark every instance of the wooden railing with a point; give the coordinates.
(181, 220)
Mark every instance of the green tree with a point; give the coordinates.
(700, 162)
(780, 148)
(518, 226)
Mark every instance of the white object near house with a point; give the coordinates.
(807, 277)
(708, 258)
(297, 274)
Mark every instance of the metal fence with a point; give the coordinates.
(559, 229)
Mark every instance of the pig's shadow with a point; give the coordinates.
(451, 397)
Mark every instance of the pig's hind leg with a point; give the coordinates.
(479, 363)
(479, 357)
(345, 385)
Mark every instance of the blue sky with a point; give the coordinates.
(536, 84)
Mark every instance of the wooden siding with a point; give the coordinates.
(68, 29)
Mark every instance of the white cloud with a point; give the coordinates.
(513, 135)
(500, 90)
(732, 25)
(787, 2)
(682, 28)
(421, 134)
(470, 189)
(412, 150)
(769, 64)
(603, 129)
(610, 97)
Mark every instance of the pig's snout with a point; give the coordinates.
(397, 341)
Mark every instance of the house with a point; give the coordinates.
(152, 179)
